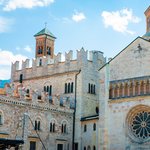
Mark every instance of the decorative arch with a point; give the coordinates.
(121, 90)
(142, 87)
(37, 123)
(64, 126)
(52, 124)
(131, 89)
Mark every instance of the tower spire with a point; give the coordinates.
(45, 25)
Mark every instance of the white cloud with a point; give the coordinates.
(77, 17)
(119, 20)
(14, 4)
(5, 24)
(6, 58)
(27, 48)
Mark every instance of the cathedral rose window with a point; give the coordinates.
(138, 123)
(141, 125)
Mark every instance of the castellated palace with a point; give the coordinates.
(84, 103)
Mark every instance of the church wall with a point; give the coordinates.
(132, 62)
(131, 68)
(119, 133)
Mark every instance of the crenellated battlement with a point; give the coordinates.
(45, 66)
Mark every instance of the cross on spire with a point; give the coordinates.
(45, 24)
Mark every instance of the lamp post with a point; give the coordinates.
(74, 113)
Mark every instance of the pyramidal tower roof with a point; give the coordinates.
(45, 31)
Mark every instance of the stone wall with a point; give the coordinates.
(16, 112)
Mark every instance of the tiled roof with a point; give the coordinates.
(45, 31)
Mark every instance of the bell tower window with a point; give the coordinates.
(40, 50)
(48, 50)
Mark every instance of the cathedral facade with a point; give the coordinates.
(124, 118)
(84, 103)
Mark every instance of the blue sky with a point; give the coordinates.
(104, 25)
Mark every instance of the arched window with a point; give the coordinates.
(51, 127)
(50, 90)
(68, 87)
(85, 128)
(93, 89)
(47, 88)
(72, 87)
(84, 148)
(94, 127)
(38, 128)
(64, 127)
(48, 51)
(97, 110)
(35, 125)
(21, 78)
(44, 88)
(89, 89)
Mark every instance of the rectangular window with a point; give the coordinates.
(32, 145)
(76, 146)
(60, 147)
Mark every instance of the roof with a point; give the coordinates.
(3, 82)
(45, 31)
(147, 34)
(89, 117)
(147, 10)
(122, 51)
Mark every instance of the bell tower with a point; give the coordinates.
(147, 14)
(44, 43)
